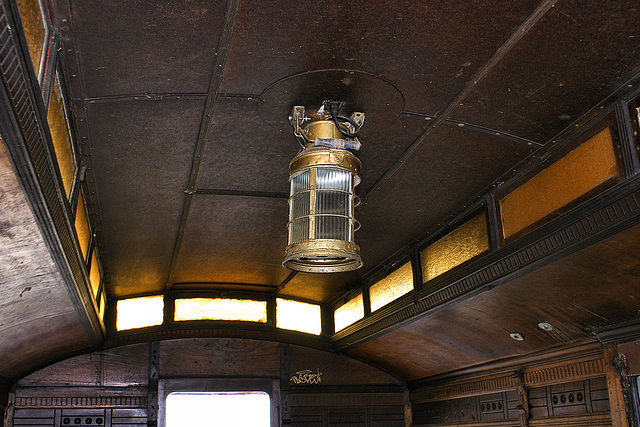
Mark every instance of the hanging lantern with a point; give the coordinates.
(322, 197)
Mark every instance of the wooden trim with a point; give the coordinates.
(28, 143)
(464, 389)
(481, 424)
(80, 401)
(560, 374)
(558, 367)
(340, 400)
(612, 211)
(566, 355)
(601, 419)
(617, 402)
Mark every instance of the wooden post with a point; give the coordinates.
(5, 391)
(523, 399)
(613, 368)
(152, 386)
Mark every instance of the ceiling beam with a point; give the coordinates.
(224, 45)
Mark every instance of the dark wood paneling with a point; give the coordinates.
(87, 417)
(114, 367)
(578, 397)
(219, 358)
(351, 391)
(575, 294)
(336, 369)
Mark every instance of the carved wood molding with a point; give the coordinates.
(564, 373)
(464, 389)
(81, 402)
(540, 375)
(601, 419)
(346, 400)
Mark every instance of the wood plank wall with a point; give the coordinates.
(563, 390)
(121, 386)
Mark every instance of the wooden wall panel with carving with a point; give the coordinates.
(578, 397)
(488, 409)
(347, 416)
(219, 357)
(113, 385)
(337, 369)
(114, 367)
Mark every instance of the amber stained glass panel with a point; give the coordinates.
(348, 313)
(580, 171)
(59, 128)
(392, 287)
(462, 244)
(34, 30)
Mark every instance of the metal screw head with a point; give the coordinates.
(516, 336)
(545, 326)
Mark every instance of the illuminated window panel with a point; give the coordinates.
(462, 244)
(392, 287)
(139, 312)
(205, 409)
(103, 304)
(348, 313)
(94, 274)
(298, 316)
(220, 309)
(34, 29)
(82, 227)
(59, 128)
(575, 174)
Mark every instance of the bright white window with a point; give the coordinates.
(298, 316)
(213, 409)
(140, 312)
(220, 309)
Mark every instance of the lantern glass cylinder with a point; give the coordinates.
(321, 211)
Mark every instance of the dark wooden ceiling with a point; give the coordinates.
(192, 97)
(181, 109)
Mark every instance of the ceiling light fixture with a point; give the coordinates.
(323, 177)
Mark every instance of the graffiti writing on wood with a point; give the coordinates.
(307, 377)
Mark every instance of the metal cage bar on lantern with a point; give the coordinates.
(321, 211)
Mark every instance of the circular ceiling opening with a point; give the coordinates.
(380, 100)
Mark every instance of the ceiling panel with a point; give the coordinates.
(243, 153)
(234, 239)
(453, 165)
(141, 154)
(319, 287)
(592, 288)
(146, 47)
(428, 50)
(567, 63)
